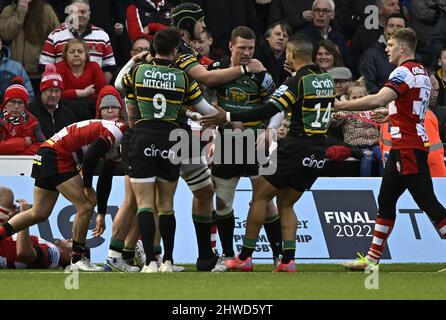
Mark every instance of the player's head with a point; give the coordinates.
(167, 42)
(7, 206)
(242, 45)
(189, 17)
(401, 44)
(299, 49)
(109, 105)
(65, 249)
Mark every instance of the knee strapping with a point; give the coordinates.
(198, 179)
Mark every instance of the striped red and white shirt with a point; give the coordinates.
(97, 39)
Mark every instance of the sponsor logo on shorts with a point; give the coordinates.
(311, 162)
(153, 152)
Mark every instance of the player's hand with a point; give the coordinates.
(100, 225)
(194, 116)
(215, 119)
(90, 194)
(380, 115)
(255, 66)
(140, 56)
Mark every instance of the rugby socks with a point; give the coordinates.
(442, 228)
(248, 248)
(273, 231)
(203, 232)
(6, 231)
(226, 225)
(146, 223)
(116, 248)
(78, 251)
(214, 231)
(128, 253)
(383, 228)
(167, 225)
(289, 251)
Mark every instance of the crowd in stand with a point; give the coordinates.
(67, 51)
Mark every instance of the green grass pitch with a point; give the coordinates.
(313, 281)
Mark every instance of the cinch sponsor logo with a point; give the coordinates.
(156, 74)
(321, 84)
(155, 152)
(311, 162)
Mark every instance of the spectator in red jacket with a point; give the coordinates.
(82, 79)
(20, 132)
(145, 17)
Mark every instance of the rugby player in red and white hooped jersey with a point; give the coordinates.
(24, 251)
(407, 92)
(55, 171)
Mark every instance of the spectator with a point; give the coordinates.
(52, 115)
(439, 111)
(424, 15)
(145, 16)
(27, 24)
(374, 65)
(272, 52)
(79, 27)
(327, 55)
(366, 36)
(359, 131)
(204, 45)
(342, 77)
(297, 14)
(319, 29)
(10, 69)
(440, 75)
(82, 79)
(20, 132)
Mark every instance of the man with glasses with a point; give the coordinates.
(20, 132)
(323, 12)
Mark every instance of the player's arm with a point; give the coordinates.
(380, 99)
(217, 77)
(24, 247)
(127, 67)
(92, 156)
(221, 116)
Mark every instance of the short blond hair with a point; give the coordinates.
(407, 35)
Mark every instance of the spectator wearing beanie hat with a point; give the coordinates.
(109, 105)
(20, 132)
(48, 109)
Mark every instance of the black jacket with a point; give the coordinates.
(273, 66)
(51, 123)
(290, 11)
(375, 67)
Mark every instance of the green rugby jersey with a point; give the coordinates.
(247, 92)
(309, 95)
(160, 90)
